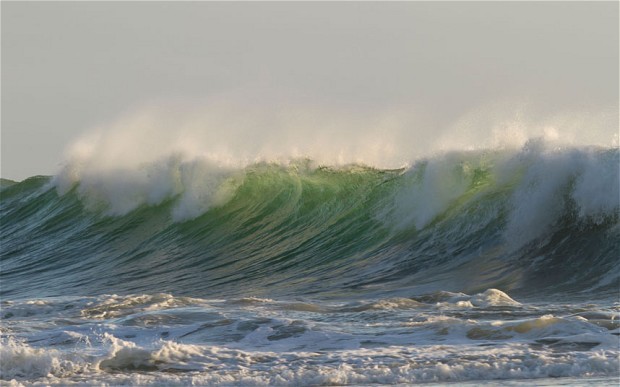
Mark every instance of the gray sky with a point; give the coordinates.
(69, 66)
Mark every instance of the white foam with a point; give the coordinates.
(19, 360)
(111, 306)
(597, 189)
(445, 337)
(589, 177)
(171, 363)
(492, 297)
(428, 194)
(547, 182)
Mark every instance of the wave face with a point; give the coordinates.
(535, 221)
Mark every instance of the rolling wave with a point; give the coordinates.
(528, 220)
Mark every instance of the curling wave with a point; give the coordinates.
(538, 218)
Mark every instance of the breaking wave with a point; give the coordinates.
(541, 217)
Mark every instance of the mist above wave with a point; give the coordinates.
(234, 131)
(198, 150)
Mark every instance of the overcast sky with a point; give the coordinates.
(70, 66)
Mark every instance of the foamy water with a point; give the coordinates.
(163, 339)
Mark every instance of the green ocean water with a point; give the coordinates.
(466, 266)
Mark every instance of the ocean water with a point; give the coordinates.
(493, 266)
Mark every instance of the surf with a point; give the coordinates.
(177, 267)
(458, 221)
